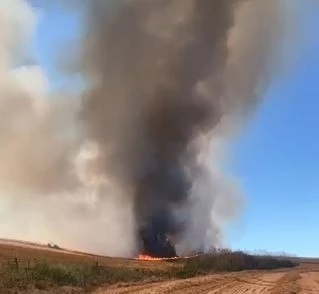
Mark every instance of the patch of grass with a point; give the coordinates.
(43, 275)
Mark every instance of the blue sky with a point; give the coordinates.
(276, 158)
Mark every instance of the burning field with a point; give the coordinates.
(125, 157)
(129, 162)
(31, 268)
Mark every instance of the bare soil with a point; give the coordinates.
(302, 280)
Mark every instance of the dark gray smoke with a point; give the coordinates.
(166, 81)
(160, 80)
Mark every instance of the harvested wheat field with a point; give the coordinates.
(31, 268)
(290, 281)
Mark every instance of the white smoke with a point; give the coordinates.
(46, 192)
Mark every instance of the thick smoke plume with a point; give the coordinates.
(164, 75)
(139, 151)
(46, 191)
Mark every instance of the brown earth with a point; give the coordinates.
(272, 282)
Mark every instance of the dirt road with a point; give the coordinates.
(292, 281)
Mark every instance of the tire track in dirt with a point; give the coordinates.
(295, 281)
(166, 287)
(287, 283)
(258, 283)
(214, 284)
(309, 282)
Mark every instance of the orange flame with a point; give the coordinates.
(143, 256)
(148, 257)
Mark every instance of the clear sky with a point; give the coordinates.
(276, 158)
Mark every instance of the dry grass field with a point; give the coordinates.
(26, 268)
